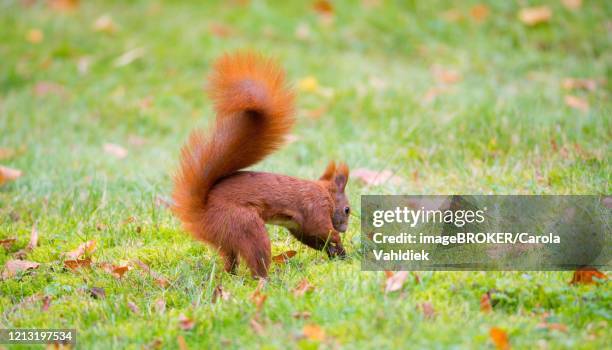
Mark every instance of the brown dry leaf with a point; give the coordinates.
(33, 239)
(258, 299)
(83, 249)
(105, 24)
(13, 267)
(97, 292)
(129, 57)
(159, 279)
(375, 178)
(553, 326)
(75, 264)
(182, 344)
(577, 103)
(35, 36)
(64, 5)
(479, 12)
(8, 174)
(575, 83)
(220, 294)
(284, 257)
(388, 274)
(428, 310)
(572, 4)
(535, 15)
(115, 150)
(323, 7)
(396, 281)
(256, 326)
(303, 315)
(186, 323)
(44, 88)
(499, 338)
(116, 270)
(585, 275)
(135, 309)
(46, 303)
(302, 288)
(7, 243)
(485, 303)
(313, 332)
(160, 306)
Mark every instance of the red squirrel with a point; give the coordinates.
(227, 207)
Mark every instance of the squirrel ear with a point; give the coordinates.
(329, 172)
(341, 176)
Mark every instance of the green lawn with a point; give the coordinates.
(449, 103)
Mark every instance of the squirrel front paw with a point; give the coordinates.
(334, 251)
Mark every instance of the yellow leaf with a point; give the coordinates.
(535, 15)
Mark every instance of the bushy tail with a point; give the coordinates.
(254, 114)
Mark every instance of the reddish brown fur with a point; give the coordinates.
(228, 208)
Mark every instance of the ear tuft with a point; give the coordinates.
(329, 172)
(341, 176)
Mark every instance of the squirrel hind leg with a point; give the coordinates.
(255, 247)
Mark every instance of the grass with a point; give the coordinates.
(502, 128)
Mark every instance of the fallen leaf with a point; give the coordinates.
(220, 294)
(303, 315)
(7, 243)
(313, 332)
(308, 84)
(375, 178)
(479, 12)
(302, 288)
(499, 338)
(33, 239)
(396, 281)
(186, 323)
(575, 83)
(155, 345)
(428, 310)
(8, 174)
(115, 150)
(35, 36)
(577, 103)
(159, 279)
(133, 307)
(182, 344)
(129, 57)
(552, 326)
(258, 299)
(75, 264)
(13, 267)
(46, 303)
(116, 270)
(323, 7)
(97, 292)
(585, 275)
(83, 249)
(105, 24)
(284, 257)
(532, 16)
(64, 5)
(485, 303)
(572, 4)
(160, 306)
(256, 326)
(389, 274)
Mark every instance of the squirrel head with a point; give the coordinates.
(336, 176)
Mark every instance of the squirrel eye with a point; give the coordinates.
(347, 210)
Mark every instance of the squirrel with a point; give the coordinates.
(223, 205)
